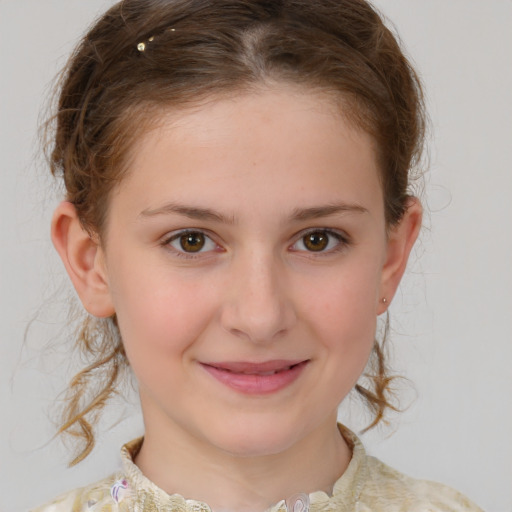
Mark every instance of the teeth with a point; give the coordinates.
(265, 374)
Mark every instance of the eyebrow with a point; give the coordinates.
(206, 214)
(315, 212)
(192, 212)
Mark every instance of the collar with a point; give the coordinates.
(346, 490)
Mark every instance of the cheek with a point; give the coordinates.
(342, 319)
(343, 311)
(159, 314)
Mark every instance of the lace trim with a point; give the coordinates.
(148, 497)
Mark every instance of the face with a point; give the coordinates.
(246, 256)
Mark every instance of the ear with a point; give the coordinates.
(401, 238)
(83, 258)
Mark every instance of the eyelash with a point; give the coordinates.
(342, 239)
(176, 235)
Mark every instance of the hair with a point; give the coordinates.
(146, 57)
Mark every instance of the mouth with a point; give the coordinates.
(256, 378)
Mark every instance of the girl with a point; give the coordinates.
(237, 217)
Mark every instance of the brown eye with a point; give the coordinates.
(321, 241)
(316, 241)
(192, 242)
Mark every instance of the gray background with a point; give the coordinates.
(452, 320)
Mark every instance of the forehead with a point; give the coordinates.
(251, 143)
(267, 103)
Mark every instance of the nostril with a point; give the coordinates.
(262, 326)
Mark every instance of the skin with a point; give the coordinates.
(255, 292)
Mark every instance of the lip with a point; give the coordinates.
(256, 378)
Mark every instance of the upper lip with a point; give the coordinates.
(255, 368)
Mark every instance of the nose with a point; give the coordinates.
(258, 305)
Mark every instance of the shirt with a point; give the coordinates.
(367, 485)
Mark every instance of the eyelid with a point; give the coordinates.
(174, 235)
(344, 240)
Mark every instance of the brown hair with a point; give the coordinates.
(143, 55)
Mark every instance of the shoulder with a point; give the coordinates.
(369, 485)
(103, 496)
(91, 498)
(388, 489)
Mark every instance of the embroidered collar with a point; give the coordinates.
(149, 497)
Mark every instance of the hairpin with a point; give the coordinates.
(143, 45)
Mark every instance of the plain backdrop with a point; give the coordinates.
(452, 334)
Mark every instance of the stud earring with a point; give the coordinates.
(384, 300)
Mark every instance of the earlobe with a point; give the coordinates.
(400, 242)
(83, 258)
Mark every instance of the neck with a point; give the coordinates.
(180, 464)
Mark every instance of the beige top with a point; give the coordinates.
(367, 485)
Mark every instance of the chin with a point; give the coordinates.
(256, 438)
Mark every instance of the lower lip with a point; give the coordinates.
(256, 384)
